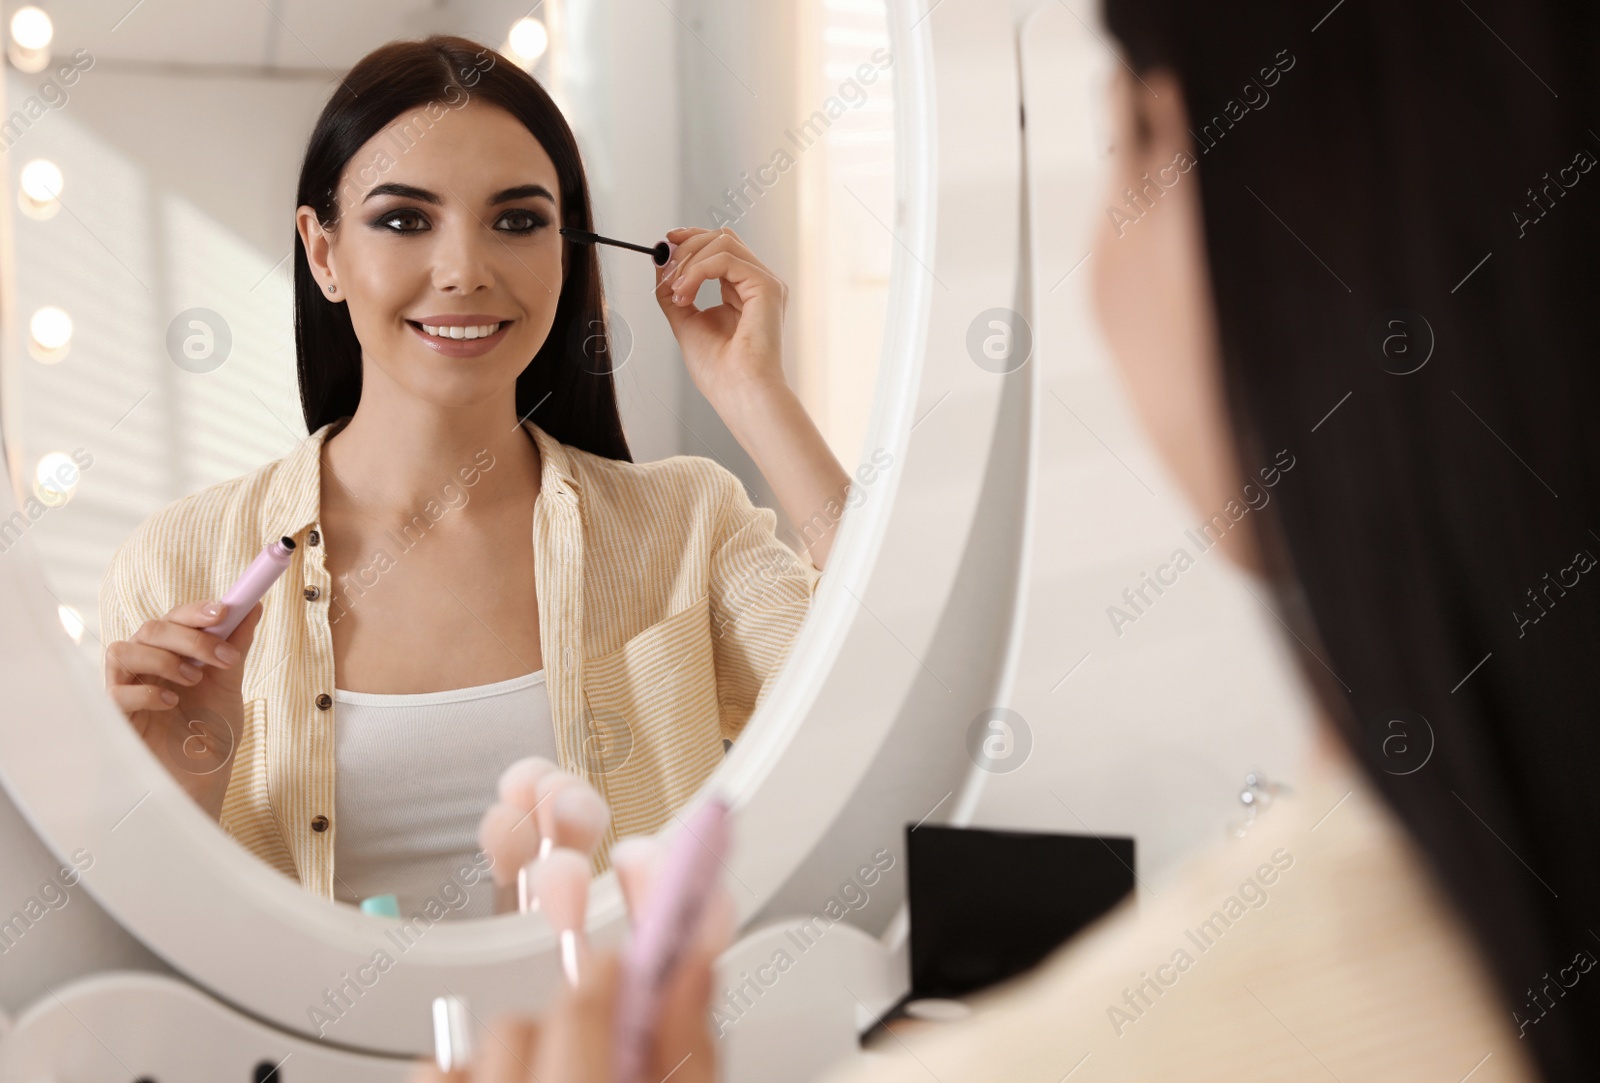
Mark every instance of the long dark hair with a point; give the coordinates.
(569, 381)
(1413, 186)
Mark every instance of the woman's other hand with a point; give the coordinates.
(190, 717)
(737, 346)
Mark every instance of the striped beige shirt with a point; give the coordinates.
(666, 606)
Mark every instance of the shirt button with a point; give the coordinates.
(324, 701)
(314, 538)
(319, 823)
(313, 593)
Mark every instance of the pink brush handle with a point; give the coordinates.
(250, 587)
(667, 926)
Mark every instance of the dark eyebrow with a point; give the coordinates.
(422, 195)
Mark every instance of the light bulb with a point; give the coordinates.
(50, 328)
(529, 39)
(41, 180)
(31, 28)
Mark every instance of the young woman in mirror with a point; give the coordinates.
(481, 572)
(1423, 905)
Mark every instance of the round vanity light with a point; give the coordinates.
(529, 39)
(39, 188)
(55, 479)
(49, 334)
(28, 45)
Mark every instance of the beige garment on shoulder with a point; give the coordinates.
(1313, 948)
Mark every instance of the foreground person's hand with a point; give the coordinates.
(540, 808)
(572, 1044)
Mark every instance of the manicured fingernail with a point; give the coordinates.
(228, 653)
(452, 1034)
(569, 956)
(169, 696)
(212, 609)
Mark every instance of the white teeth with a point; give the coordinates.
(462, 332)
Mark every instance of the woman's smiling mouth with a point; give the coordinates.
(460, 336)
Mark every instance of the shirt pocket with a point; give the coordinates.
(652, 722)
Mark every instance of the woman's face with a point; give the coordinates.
(452, 215)
(1153, 297)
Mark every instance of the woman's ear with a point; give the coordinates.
(316, 240)
(1159, 120)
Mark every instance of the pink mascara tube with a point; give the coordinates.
(670, 922)
(250, 587)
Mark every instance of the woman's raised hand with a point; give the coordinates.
(731, 347)
(189, 716)
(734, 354)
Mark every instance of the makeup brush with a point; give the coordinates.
(560, 882)
(660, 252)
(571, 816)
(519, 783)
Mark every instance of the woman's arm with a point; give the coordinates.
(774, 429)
(734, 354)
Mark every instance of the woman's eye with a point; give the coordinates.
(395, 216)
(523, 221)
(511, 222)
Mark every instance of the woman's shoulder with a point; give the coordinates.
(1319, 930)
(677, 483)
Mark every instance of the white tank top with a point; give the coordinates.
(414, 775)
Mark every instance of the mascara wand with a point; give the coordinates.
(660, 252)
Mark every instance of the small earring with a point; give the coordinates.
(333, 289)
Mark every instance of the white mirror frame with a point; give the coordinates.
(253, 938)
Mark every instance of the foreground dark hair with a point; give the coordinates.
(569, 381)
(1417, 176)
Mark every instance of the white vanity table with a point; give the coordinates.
(953, 588)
